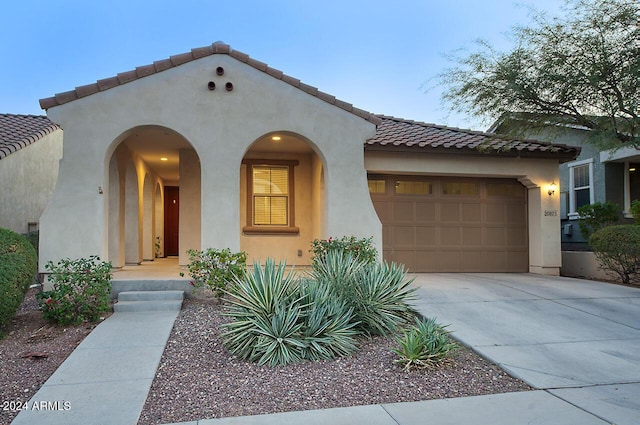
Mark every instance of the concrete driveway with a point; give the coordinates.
(576, 339)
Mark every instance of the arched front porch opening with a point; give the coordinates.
(147, 163)
(282, 198)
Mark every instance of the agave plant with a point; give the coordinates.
(424, 345)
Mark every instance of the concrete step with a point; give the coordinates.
(133, 301)
(150, 296)
(121, 285)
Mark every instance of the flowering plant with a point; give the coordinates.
(363, 248)
(214, 269)
(81, 290)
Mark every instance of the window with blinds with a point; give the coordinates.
(582, 185)
(270, 195)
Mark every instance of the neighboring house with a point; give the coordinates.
(212, 148)
(30, 150)
(594, 176)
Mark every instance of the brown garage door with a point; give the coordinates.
(443, 224)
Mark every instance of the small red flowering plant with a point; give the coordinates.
(362, 248)
(80, 290)
(215, 268)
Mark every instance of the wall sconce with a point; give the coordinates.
(552, 188)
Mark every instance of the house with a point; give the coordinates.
(212, 148)
(30, 149)
(593, 176)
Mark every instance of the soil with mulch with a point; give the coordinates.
(30, 352)
(199, 379)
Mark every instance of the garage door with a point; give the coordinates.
(442, 224)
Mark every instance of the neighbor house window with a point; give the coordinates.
(580, 186)
(270, 203)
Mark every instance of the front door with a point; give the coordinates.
(171, 220)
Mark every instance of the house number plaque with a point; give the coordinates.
(550, 213)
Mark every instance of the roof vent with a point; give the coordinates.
(211, 85)
(220, 70)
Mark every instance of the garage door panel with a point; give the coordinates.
(472, 236)
(450, 212)
(495, 213)
(450, 236)
(470, 212)
(426, 237)
(403, 211)
(462, 225)
(425, 211)
(403, 237)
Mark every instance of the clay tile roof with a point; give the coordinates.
(396, 134)
(19, 131)
(197, 53)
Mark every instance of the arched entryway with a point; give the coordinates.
(146, 163)
(282, 198)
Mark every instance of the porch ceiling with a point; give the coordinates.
(154, 143)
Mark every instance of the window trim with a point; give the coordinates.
(573, 214)
(250, 227)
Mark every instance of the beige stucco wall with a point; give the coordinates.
(28, 179)
(220, 125)
(583, 264)
(535, 174)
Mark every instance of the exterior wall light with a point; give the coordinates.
(552, 188)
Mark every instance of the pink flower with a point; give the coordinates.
(192, 283)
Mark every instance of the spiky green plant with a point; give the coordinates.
(277, 320)
(424, 345)
(378, 293)
(329, 329)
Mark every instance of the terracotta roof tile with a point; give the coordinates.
(197, 53)
(19, 131)
(396, 134)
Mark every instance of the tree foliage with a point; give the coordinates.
(579, 69)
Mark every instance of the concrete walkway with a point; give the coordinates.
(577, 342)
(106, 379)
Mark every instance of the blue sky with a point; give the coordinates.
(377, 55)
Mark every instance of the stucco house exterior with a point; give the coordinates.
(212, 148)
(30, 149)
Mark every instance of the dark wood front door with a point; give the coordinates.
(171, 220)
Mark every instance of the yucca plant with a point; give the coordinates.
(329, 329)
(277, 320)
(255, 300)
(380, 294)
(424, 345)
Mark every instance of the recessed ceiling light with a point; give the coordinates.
(276, 138)
(632, 169)
(164, 158)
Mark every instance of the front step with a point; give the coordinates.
(135, 301)
(118, 286)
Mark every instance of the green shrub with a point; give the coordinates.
(363, 248)
(635, 210)
(378, 293)
(214, 268)
(424, 345)
(18, 265)
(618, 249)
(594, 217)
(276, 319)
(81, 290)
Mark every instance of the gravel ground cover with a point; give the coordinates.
(198, 378)
(30, 353)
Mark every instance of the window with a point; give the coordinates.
(270, 206)
(410, 187)
(580, 186)
(377, 186)
(467, 189)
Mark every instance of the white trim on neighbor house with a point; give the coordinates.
(629, 155)
(573, 214)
